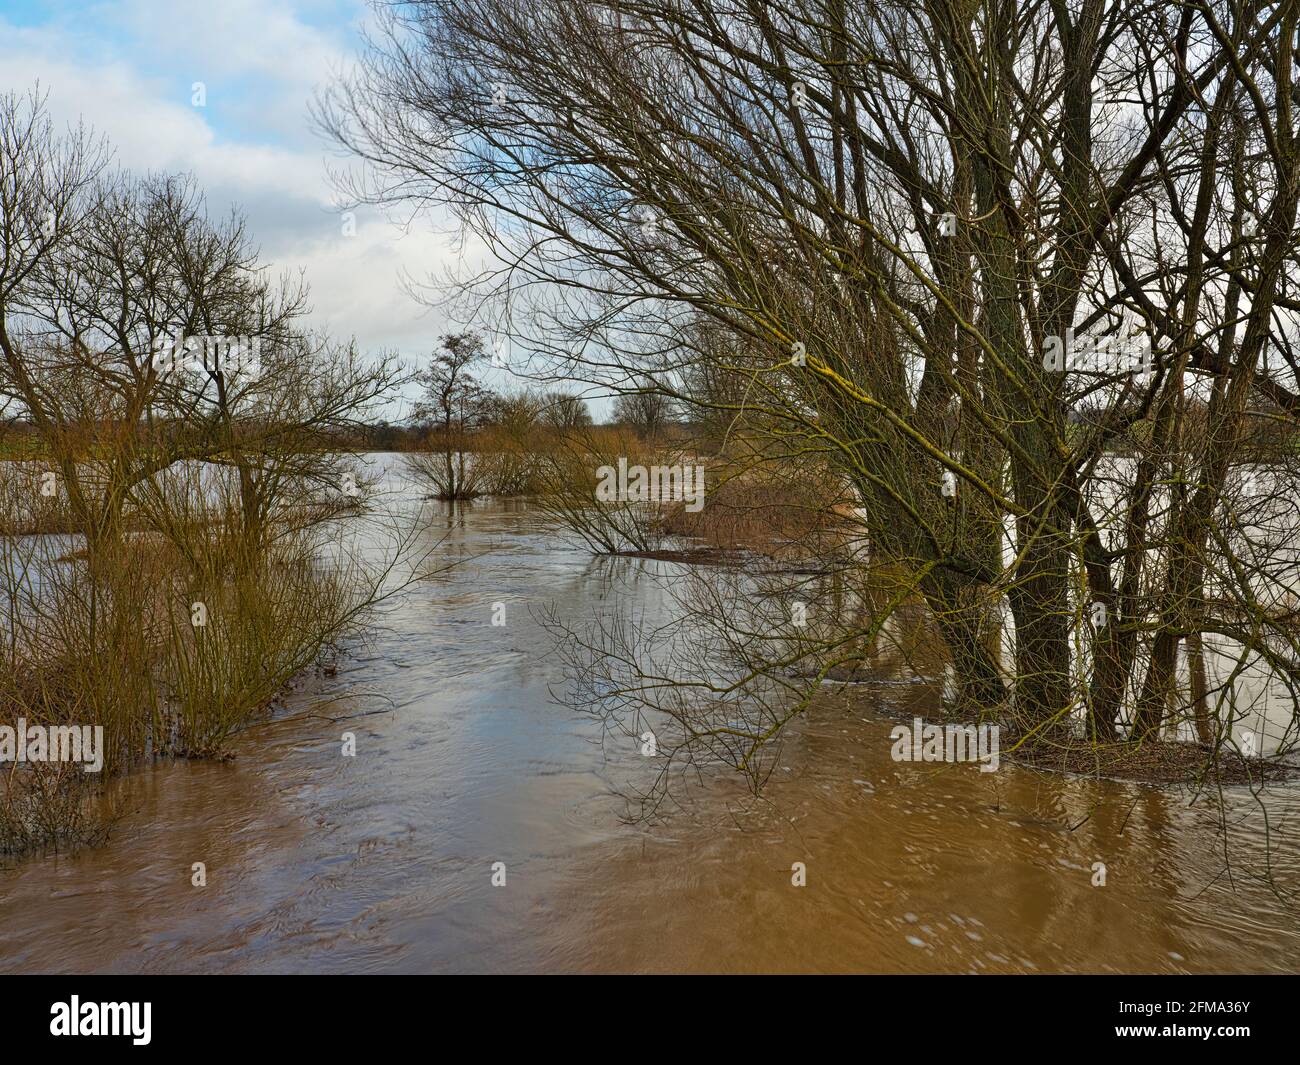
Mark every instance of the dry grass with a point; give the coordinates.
(1161, 762)
(783, 512)
(108, 638)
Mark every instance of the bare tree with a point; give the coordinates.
(648, 412)
(455, 404)
(925, 234)
(182, 419)
(563, 411)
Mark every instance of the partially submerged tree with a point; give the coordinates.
(142, 334)
(182, 417)
(453, 404)
(921, 235)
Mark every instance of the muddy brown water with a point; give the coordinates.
(384, 862)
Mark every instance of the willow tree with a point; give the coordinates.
(933, 233)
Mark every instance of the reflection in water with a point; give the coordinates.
(383, 862)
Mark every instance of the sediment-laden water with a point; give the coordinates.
(384, 862)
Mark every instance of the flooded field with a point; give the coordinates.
(385, 862)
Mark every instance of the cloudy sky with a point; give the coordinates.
(128, 67)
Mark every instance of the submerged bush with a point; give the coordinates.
(171, 641)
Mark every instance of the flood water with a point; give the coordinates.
(383, 862)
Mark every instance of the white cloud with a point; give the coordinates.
(133, 85)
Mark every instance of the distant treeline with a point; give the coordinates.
(1264, 433)
(20, 439)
